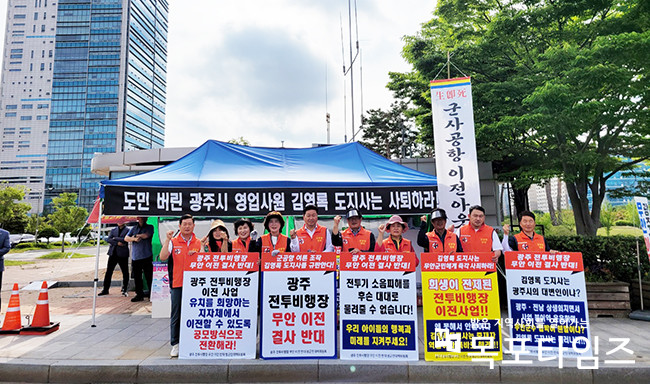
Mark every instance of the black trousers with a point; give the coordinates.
(143, 266)
(123, 262)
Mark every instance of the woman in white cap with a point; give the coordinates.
(395, 242)
(217, 239)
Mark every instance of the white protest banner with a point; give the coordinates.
(160, 296)
(644, 219)
(219, 306)
(455, 146)
(378, 311)
(547, 304)
(298, 306)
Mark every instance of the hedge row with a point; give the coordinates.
(606, 258)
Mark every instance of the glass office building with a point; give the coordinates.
(108, 88)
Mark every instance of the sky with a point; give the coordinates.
(270, 70)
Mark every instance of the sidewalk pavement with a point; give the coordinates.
(128, 346)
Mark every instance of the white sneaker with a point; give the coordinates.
(174, 352)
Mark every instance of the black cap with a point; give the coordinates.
(354, 213)
(438, 213)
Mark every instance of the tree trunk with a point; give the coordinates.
(520, 196)
(549, 200)
(559, 201)
(63, 242)
(585, 222)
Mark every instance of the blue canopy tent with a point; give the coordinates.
(222, 179)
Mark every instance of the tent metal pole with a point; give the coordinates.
(99, 232)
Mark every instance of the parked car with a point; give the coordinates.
(21, 238)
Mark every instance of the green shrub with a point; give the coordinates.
(624, 223)
(607, 258)
(31, 245)
(58, 243)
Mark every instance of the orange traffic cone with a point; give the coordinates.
(41, 323)
(12, 323)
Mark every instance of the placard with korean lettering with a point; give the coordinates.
(460, 307)
(378, 309)
(298, 306)
(219, 306)
(547, 303)
(455, 147)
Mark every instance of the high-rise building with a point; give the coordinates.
(108, 89)
(25, 95)
(106, 84)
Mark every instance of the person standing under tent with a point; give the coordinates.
(178, 247)
(476, 236)
(355, 238)
(395, 241)
(243, 229)
(118, 254)
(440, 240)
(311, 238)
(274, 241)
(217, 239)
(140, 237)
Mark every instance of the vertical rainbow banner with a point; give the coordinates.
(455, 146)
(460, 300)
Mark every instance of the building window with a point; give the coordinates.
(10, 114)
(41, 117)
(11, 106)
(25, 117)
(27, 106)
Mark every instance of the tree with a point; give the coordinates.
(560, 88)
(240, 140)
(389, 132)
(67, 216)
(13, 213)
(48, 231)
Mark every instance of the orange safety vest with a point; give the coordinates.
(241, 246)
(525, 243)
(267, 244)
(180, 249)
(404, 245)
(360, 241)
(476, 241)
(439, 246)
(314, 243)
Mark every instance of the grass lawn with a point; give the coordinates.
(9, 263)
(63, 255)
(621, 231)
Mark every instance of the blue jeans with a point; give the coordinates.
(175, 320)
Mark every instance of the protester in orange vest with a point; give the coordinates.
(311, 238)
(440, 240)
(217, 238)
(178, 247)
(355, 238)
(476, 236)
(273, 242)
(527, 239)
(395, 242)
(243, 228)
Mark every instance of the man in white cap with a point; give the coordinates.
(439, 240)
(355, 238)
